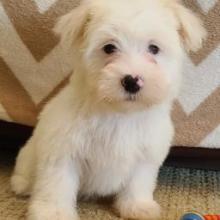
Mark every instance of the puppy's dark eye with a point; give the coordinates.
(109, 48)
(154, 49)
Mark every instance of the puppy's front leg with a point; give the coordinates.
(136, 201)
(55, 191)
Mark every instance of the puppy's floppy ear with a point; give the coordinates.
(191, 28)
(71, 27)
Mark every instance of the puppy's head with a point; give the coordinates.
(129, 53)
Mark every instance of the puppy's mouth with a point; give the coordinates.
(131, 98)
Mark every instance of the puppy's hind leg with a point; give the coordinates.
(24, 170)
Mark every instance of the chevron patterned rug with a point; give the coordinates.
(178, 191)
(33, 68)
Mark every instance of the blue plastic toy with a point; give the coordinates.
(192, 216)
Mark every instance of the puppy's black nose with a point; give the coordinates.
(131, 84)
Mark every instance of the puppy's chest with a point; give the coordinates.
(111, 138)
(106, 155)
(108, 150)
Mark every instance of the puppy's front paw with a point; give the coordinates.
(45, 211)
(20, 185)
(138, 209)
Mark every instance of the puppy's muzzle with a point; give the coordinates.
(132, 84)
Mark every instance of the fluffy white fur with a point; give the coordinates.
(94, 138)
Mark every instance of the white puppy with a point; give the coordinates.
(109, 130)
